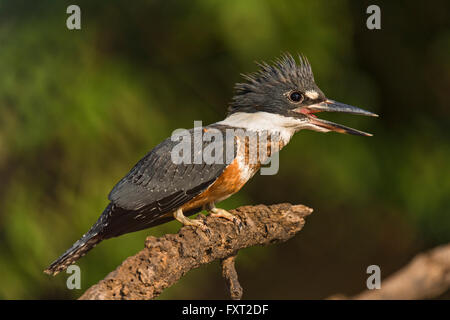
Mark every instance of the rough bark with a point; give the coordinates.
(165, 260)
(231, 277)
(426, 276)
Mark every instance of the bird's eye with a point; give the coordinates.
(296, 96)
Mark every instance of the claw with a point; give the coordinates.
(190, 222)
(222, 213)
(240, 225)
(198, 223)
(217, 212)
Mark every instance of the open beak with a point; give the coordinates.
(333, 106)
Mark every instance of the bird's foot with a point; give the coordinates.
(222, 213)
(189, 222)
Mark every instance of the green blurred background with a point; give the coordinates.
(79, 108)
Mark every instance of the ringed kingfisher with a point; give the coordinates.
(281, 98)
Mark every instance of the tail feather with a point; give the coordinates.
(113, 222)
(79, 249)
(82, 246)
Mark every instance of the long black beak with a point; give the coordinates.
(333, 106)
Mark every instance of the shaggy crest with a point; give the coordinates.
(283, 72)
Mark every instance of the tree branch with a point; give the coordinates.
(165, 260)
(231, 277)
(426, 276)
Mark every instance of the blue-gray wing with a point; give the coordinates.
(156, 185)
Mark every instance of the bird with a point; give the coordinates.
(279, 99)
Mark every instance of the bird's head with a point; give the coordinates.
(286, 90)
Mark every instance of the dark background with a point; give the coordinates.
(79, 108)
